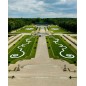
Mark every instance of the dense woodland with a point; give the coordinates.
(69, 24)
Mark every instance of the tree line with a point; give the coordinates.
(69, 24)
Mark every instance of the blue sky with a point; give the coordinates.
(42, 8)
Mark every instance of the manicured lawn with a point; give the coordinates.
(26, 29)
(25, 48)
(61, 49)
(60, 30)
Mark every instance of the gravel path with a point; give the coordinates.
(14, 40)
(70, 42)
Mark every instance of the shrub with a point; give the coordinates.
(34, 47)
(48, 47)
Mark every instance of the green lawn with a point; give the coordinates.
(25, 48)
(58, 50)
(26, 29)
(60, 30)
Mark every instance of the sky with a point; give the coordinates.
(42, 8)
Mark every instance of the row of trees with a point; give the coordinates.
(69, 24)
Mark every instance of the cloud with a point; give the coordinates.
(57, 14)
(42, 8)
(27, 5)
